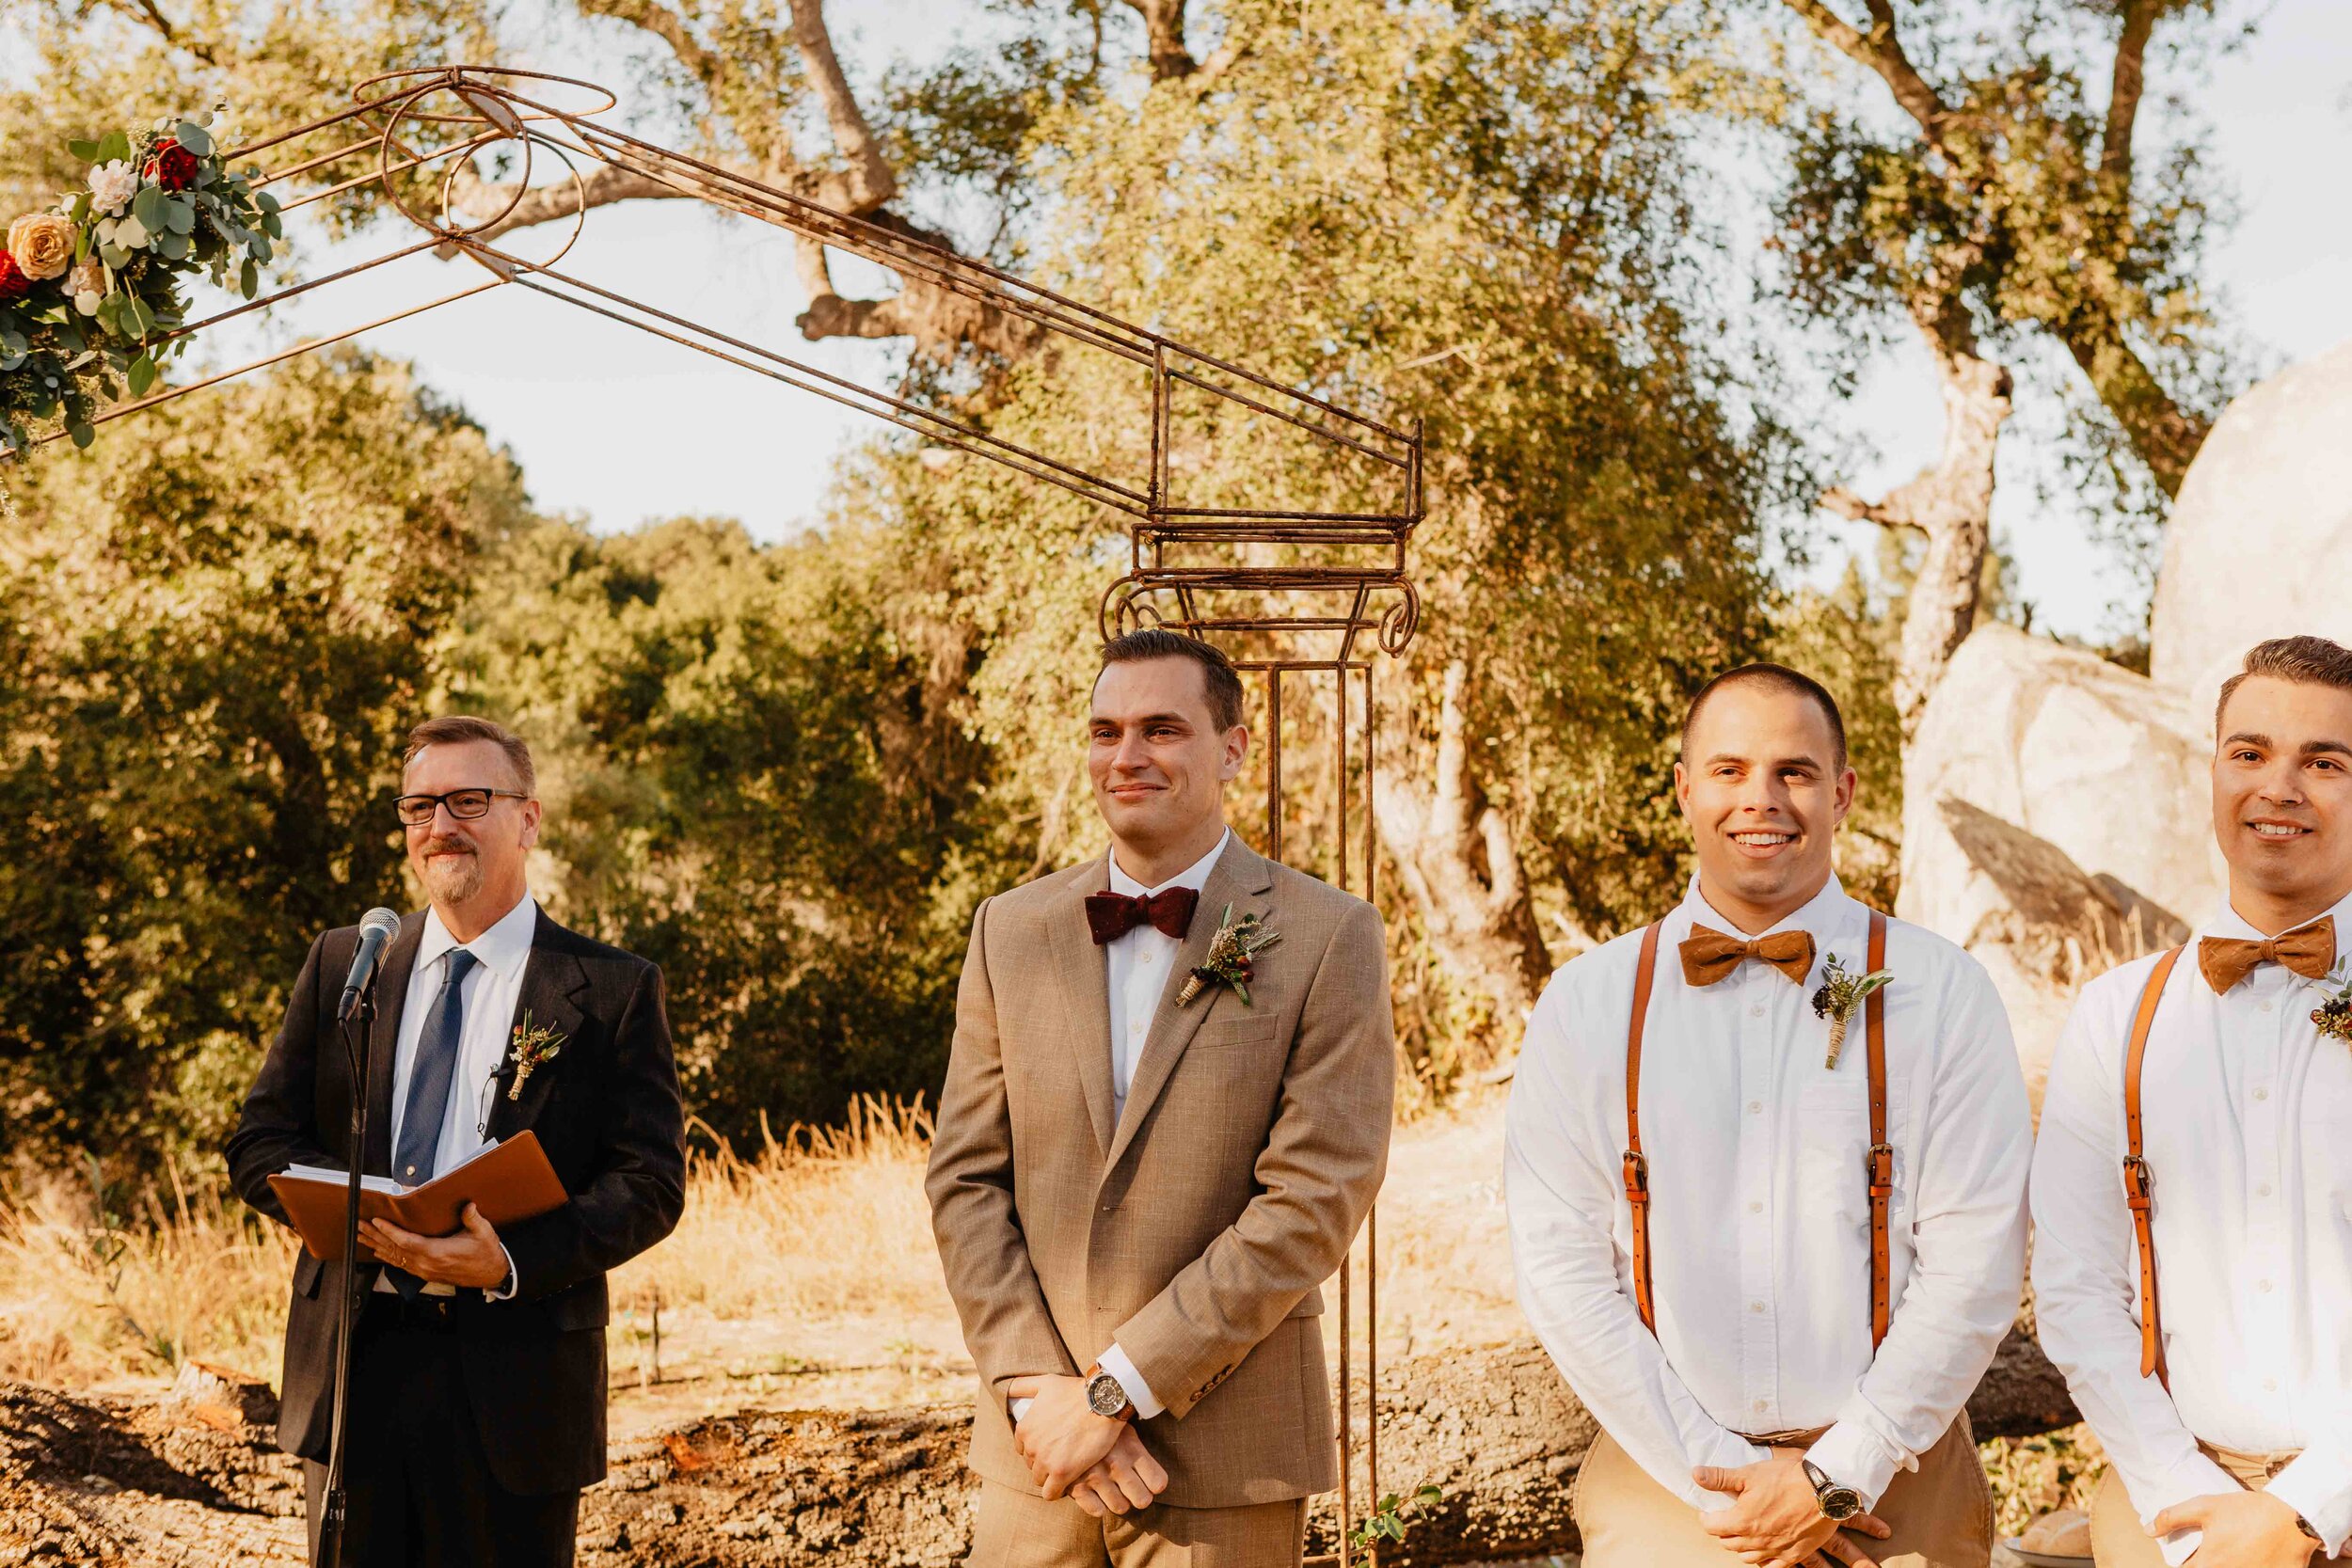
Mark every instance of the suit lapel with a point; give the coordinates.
(392, 1000)
(1241, 878)
(553, 983)
(1086, 985)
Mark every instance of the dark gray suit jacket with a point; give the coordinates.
(607, 1111)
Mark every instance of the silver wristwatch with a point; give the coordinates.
(1840, 1503)
(1106, 1398)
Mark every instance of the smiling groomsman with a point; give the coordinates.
(1765, 1167)
(1139, 1183)
(2192, 1190)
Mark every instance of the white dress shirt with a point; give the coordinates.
(2245, 1116)
(1759, 1218)
(1137, 974)
(488, 995)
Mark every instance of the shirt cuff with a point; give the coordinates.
(2316, 1485)
(505, 1291)
(1138, 1392)
(1852, 1455)
(1019, 1408)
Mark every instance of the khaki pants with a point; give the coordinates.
(1942, 1513)
(2116, 1538)
(1016, 1530)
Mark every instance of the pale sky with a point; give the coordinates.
(621, 427)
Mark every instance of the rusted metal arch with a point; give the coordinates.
(1296, 595)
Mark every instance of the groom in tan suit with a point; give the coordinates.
(1137, 1196)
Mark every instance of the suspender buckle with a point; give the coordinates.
(2139, 1184)
(1636, 1177)
(1881, 1164)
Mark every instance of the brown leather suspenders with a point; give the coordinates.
(1880, 1163)
(2139, 1186)
(1880, 1158)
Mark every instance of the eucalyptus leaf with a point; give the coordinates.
(141, 375)
(86, 150)
(149, 207)
(113, 255)
(180, 216)
(112, 146)
(194, 137)
(82, 434)
(172, 248)
(248, 280)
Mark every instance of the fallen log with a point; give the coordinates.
(193, 1480)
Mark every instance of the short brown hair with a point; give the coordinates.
(1780, 678)
(451, 729)
(1218, 675)
(2309, 660)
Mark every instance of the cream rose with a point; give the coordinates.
(86, 283)
(112, 186)
(43, 244)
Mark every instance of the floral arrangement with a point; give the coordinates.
(530, 1046)
(2334, 1015)
(1231, 957)
(1841, 996)
(90, 288)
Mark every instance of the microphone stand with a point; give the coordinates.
(359, 1032)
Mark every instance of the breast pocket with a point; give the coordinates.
(1832, 1140)
(1238, 1033)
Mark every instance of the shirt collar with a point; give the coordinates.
(1195, 876)
(503, 949)
(2232, 927)
(1826, 914)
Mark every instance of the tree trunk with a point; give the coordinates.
(1460, 867)
(1949, 504)
(194, 1479)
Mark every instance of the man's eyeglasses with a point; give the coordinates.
(464, 804)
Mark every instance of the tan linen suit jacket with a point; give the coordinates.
(1197, 1231)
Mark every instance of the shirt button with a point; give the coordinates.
(1759, 1406)
(2263, 1285)
(2265, 1004)
(1755, 1107)
(1148, 958)
(1756, 1009)
(2263, 1191)
(1755, 1208)
(1756, 1306)
(2270, 1385)
(2261, 1094)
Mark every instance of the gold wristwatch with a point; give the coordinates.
(1106, 1397)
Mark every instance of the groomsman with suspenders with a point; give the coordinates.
(2192, 1187)
(1773, 1260)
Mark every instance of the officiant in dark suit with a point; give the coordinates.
(478, 1367)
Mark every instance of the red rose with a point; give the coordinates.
(13, 283)
(172, 166)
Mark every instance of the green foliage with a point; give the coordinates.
(757, 777)
(1388, 1522)
(217, 630)
(1846, 638)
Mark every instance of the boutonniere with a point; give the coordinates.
(2334, 1016)
(531, 1046)
(1840, 997)
(1231, 952)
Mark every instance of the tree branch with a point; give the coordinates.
(1164, 24)
(601, 186)
(669, 28)
(871, 181)
(2129, 81)
(1882, 51)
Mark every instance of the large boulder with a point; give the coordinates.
(2102, 763)
(2054, 822)
(2262, 532)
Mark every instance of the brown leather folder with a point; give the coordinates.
(509, 1183)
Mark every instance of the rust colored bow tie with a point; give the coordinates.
(1168, 912)
(2309, 951)
(1708, 956)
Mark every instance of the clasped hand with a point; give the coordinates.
(2243, 1529)
(472, 1258)
(1775, 1519)
(1100, 1464)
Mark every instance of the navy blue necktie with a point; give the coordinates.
(429, 1078)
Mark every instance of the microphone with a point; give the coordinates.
(377, 928)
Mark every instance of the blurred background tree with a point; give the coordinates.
(789, 772)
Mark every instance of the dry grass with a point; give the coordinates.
(802, 1275)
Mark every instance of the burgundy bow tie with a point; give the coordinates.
(1168, 912)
